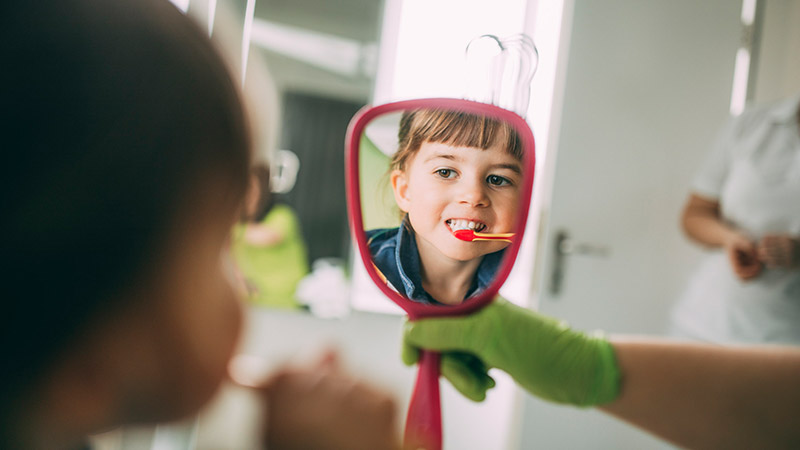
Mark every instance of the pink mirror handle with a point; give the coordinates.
(424, 421)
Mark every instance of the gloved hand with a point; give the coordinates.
(543, 355)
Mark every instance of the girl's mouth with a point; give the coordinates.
(465, 224)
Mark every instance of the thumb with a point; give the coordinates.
(467, 374)
(409, 354)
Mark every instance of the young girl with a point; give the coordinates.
(452, 171)
(126, 154)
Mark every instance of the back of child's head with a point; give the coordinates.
(116, 113)
(452, 128)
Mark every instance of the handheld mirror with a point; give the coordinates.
(438, 193)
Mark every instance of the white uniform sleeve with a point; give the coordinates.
(709, 181)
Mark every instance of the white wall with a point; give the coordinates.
(777, 69)
(647, 88)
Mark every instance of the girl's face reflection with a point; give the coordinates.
(445, 188)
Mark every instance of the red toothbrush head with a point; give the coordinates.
(464, 235)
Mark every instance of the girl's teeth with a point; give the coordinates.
(464, 225)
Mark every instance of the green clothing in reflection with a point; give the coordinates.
(272, 272)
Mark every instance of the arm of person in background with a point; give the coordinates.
(279, 224)
(779, 251)
(262, 235)
(694, 395)
(703, 223)
(276, 226)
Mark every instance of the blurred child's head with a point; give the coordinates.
(455, 170)
(126, 154)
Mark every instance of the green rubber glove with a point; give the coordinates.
(543, 355)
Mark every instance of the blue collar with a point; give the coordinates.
(395, 254)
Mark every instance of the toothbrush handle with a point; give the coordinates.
(424, 421)
(491, 239)
(504, 236)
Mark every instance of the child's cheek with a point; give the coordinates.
(222, 326)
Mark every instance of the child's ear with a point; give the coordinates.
(400, 189)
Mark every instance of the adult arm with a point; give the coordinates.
(693, 395)
(703, 396)
(262, 235)
(702, 221)
(278, 225)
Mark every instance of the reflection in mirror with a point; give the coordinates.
(310, 67)
(440, 191)
(269, 251)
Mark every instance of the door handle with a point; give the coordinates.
(563, 246)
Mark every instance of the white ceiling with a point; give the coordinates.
(357, 20)
(353, 19)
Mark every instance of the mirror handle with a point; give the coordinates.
(424, 420)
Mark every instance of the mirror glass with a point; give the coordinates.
(441, 192)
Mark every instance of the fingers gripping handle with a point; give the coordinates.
(424, 421)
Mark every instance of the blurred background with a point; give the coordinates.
(627, 101)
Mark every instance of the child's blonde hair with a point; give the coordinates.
(453, 128)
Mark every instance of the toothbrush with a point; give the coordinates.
(470, 235)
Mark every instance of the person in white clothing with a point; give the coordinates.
(745, 201)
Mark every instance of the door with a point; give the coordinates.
(648, 86)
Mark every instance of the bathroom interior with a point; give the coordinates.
(627, 99)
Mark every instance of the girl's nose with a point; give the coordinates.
(473, 194)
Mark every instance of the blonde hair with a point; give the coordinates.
(453, 128)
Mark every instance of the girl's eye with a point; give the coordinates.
(496, 180)
(446, 173)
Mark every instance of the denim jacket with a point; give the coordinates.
(394, 253)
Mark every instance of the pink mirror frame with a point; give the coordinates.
(352, 143)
